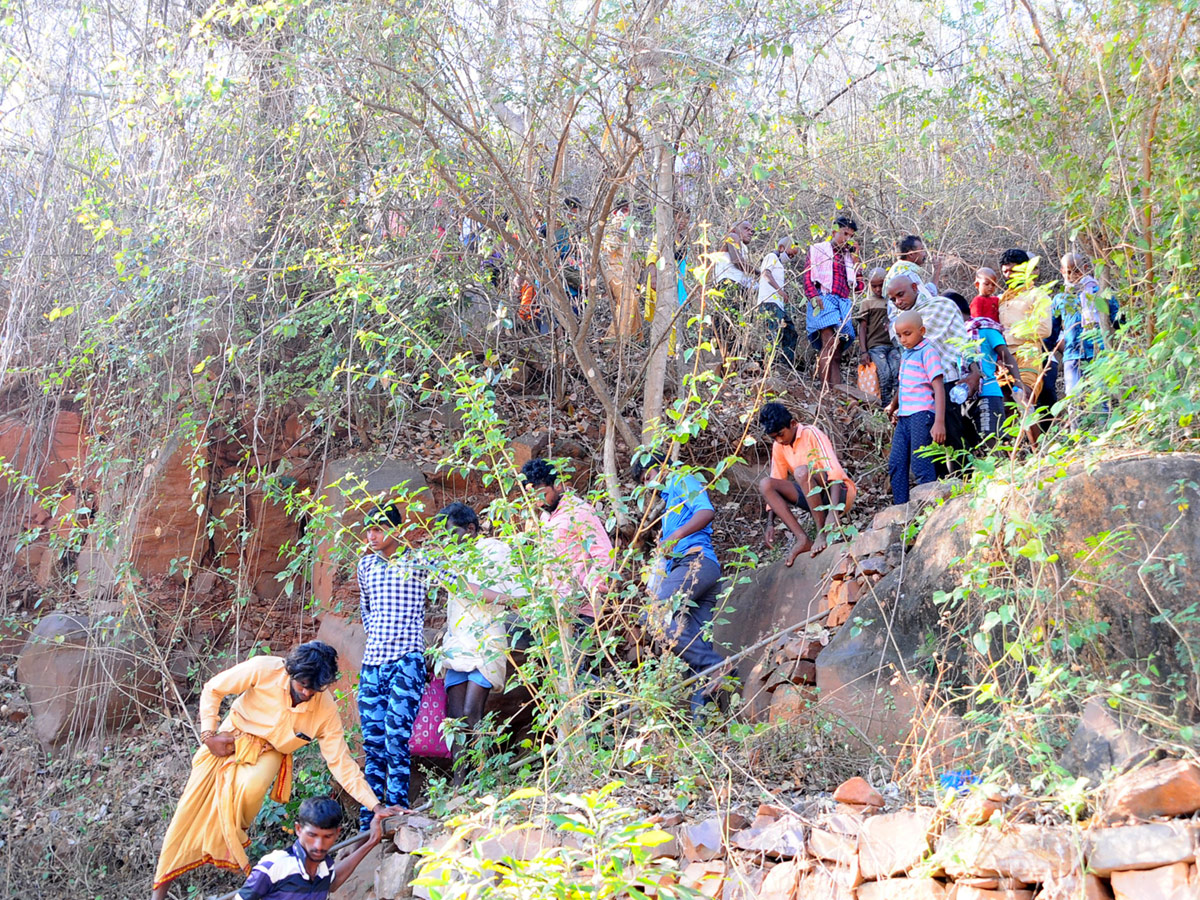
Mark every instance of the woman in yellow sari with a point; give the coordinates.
(282, 706)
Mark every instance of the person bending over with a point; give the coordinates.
(692, 570)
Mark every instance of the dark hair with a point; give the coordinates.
(388, 516)
(1014, 256)
(909, 243)
(572, 202)
(845, 222)
(538, 472)
(960, 301)
(644, 461)
(319, 812)
(459, 515)
(314, 664)
(774, 417)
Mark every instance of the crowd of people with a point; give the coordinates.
(948, 371)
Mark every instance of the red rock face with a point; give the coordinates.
(169, 536)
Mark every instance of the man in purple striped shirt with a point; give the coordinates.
(304, 869)
(918, 407)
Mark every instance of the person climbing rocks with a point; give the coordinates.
(577, 551)
(805, 472)
(282, 705)
(394, 582)
(829, 279)
(305, 869)
(480, 578)
(692, 572)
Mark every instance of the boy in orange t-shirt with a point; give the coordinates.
(805, 453)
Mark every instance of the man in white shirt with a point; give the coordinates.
(773, 299)
(729, 259)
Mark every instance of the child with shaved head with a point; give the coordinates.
(919, 407)
(986, 304)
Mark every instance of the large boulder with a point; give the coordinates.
(1125, 533)
(83, 678)
(771, 598)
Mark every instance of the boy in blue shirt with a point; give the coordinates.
(692, 569)
(994, 358)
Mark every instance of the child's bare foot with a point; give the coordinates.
(819, 544)
(797, 548)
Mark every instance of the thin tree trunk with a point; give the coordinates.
(667, 299)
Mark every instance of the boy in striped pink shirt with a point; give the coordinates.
(918, 407)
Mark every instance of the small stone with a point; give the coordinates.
(518, 843)
(408, 840)
(843, 823)
(782, 837)
(856, 790)
(804, 647)
(792, 703)
(842, 567)
(829, 883)
(977, 809)
(1140, 846)
(839, 848)
(1163, 883)
(701, 842)
(804, 671)
(1170, 787)
(902, 889)
(873, 565)
(392, 878)
(706, 877)
(744, 883)
(966, 892)
(894, 842)
(781, 882)
(1075, 886)
(872, 543)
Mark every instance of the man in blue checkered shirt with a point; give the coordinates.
(393, 582)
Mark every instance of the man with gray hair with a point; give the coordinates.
(773, 298)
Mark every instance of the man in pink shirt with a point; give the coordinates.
(580, 553)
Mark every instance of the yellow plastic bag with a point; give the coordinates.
(868, 379)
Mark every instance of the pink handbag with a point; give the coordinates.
(427, 740)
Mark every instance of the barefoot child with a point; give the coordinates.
(918, 409)
(805, 453)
